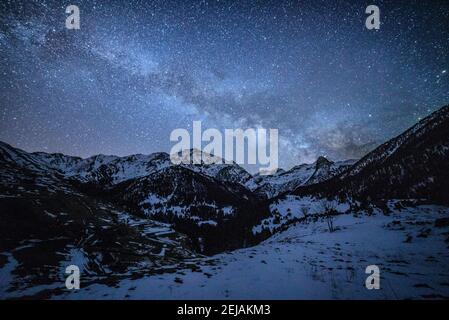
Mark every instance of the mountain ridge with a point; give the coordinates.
(413, 164)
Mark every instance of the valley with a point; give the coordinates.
(140, 227)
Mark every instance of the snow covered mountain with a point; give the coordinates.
(215, 214)
(128, 218)
(415, 164)
(301, 175)
(46, 224)
(111, 170)
(208, 202)
(54, 163)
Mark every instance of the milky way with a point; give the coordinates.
(136, 70)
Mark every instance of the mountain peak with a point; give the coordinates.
(322, 161)
(195, 156)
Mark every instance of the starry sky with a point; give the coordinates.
(136, 70)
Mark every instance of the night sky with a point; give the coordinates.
(136, 70)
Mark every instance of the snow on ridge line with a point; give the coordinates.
(115, 169)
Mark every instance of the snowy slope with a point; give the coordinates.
(388, 149)
(308, 262)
